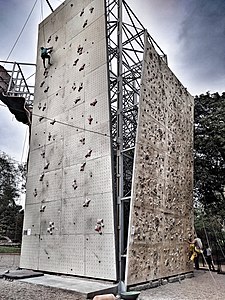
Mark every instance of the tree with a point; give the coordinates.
(11, 186)
(209, 153)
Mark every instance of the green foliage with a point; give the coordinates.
(209, 152)
(11, 186)
(9, 249)
(209, 170)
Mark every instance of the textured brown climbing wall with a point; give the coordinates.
(69, 221)
(161, 207)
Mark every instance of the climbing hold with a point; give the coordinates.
(90, 174)
(53, 122)
(100, 222)
(56, 38)
(45, 73)
(82, 141)
(49, 39)
(74, 86)
(74, 185)
(41, 176)
(41, 85)
(44, 107)
(81, 68)
(86, 202)
(35, 192)
(90, 119)
(77, 100)
(82, 166)
(98, 228)
(80, 87)
(82, 12)
(46, 90)
(42, 209)
(79, 50)
(43, 154)
(51, 227)
(49, 136)
(75, 62)
(40, 119)
(88, 154)
(71, 4)
(93, 103)
(46, 166)
(39, 106)
(85, 24)
(91, 10)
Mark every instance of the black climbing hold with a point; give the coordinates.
(93, 103)
(85, 24)
(45, 91)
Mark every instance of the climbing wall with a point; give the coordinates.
(161, 207)
(69, 212)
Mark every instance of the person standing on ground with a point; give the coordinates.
(208, 258)
(45, 55)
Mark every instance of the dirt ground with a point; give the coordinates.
(204, 285)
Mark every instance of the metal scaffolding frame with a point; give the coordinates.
(18, 86)
(125, 40)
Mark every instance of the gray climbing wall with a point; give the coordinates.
(161, 207)
(69, 219)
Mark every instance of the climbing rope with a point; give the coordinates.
(22, 30)
(62, 123)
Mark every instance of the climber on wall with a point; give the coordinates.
(45, 55)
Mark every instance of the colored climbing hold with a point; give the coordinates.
(86, 202)
(93, 103)
(53, 122)
(44, 107)
(80, 87)
(79, 50)
(82, 141)
(90, 119)
(85, 24)
(74, 185)
(75, 62)
(42, 209)
(46, 166)
(82, 166)
(82, 12)
(35, 192)
(82, 68)
(42, 176)
(88, 154)
(77, 100)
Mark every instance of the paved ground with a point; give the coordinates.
(204, 286)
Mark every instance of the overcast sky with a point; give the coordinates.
(190, 32)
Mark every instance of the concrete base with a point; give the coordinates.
(85, 287)
(21, 274)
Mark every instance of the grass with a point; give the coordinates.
(9, 249)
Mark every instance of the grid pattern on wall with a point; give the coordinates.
(69, 213)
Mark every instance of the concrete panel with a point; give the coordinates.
(73, 216)
(30, 252)
(31, 224)
(99, 256)
(161, 205)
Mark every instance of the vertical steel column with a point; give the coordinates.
(120, 136)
